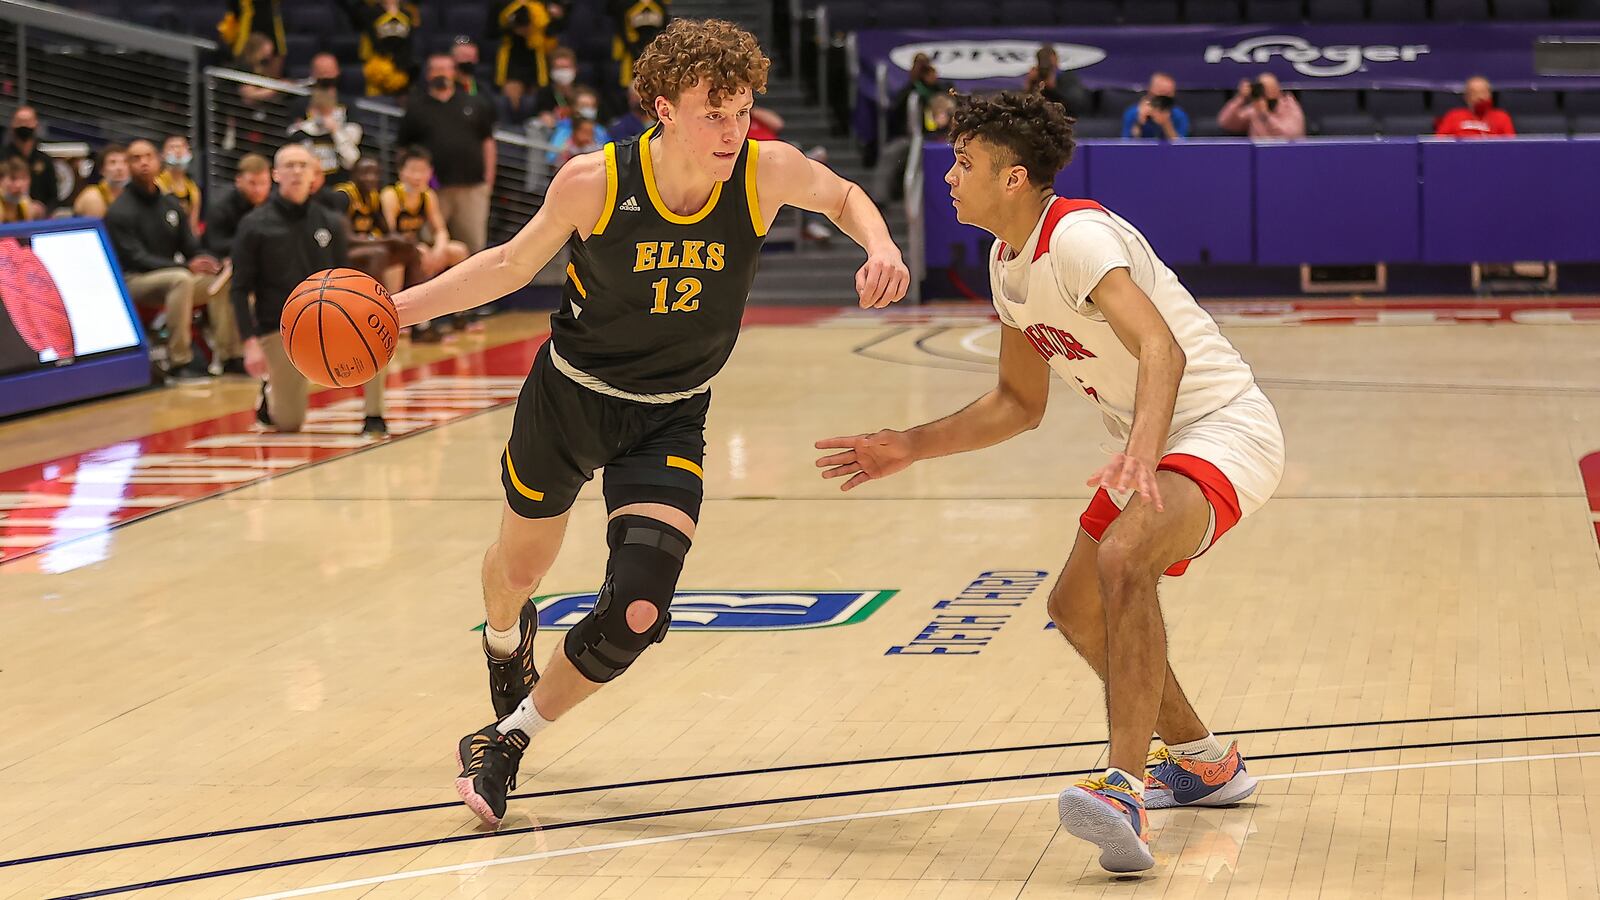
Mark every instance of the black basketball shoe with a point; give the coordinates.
(512, 679)
(489, 763)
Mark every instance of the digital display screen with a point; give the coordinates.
(60, 298)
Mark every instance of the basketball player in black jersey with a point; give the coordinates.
(665, 235)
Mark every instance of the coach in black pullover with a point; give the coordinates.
(279, 243)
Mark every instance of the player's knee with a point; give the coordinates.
(520, 572)
(1122, 567)
(631, 612)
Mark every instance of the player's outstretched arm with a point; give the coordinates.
(1015, 405)
(572, 203)
(787, 177)
(1140, 328)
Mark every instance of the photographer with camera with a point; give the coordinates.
(1157, 115)
(1262, 109)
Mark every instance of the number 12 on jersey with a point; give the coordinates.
(688, 290)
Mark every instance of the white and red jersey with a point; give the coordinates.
(1045, 288)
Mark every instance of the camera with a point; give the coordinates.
(1257, 91)
(1159, 101)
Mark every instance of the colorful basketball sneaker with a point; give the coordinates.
(1105, 811)
(1171, 780)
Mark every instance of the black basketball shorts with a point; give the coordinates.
(563, 432)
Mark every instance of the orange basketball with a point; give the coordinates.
(339, 327)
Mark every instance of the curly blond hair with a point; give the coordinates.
(689, 51)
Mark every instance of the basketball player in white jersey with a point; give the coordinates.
(1079, 290)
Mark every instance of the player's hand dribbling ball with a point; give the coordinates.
(339, 327)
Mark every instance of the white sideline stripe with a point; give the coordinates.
(852, 817)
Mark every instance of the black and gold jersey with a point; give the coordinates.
(363, 210)
(654, 300)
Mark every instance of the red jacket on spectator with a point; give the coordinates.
(1462, 122)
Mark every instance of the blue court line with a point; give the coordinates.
(740, 773)
(746, 804)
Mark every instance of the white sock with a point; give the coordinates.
(1137, 783)
(525, 718)
(1207, 749)
(502, 644)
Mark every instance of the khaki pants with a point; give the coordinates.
(466, 214)
(289, 393)
(182, 291)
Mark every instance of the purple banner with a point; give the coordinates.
(1428, 56)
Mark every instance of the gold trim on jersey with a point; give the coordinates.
(572, 272)
(753, 157)
(655, 197)
(611, 191)
(516, 482)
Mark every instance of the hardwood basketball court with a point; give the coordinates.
(253, 684)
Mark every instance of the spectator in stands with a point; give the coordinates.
(634, 23)
(252, 184)
(391, 260)
(634, 119)
(583, 138)
(1263, 109)
(176, 158)
(924, 85)
(765, 125)
(1047, 79)
(1479, 117)
(279, 243)
(15, 204)
(554, 101)
(326, 129)
(23, 143)
(248, 18)
(1156, 115)
(262, 60)
(585, 108)
(93, 201)
(889, 176)
(458, 132)
(388, 29)
(411, 211)
(526, 33)
(162, 263)
(465, 53)
(324, 71)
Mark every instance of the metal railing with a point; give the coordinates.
(250, 114)
(912, 181)
(97, 80)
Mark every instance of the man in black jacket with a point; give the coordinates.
(279, 243)
(162, 262)
(252, 184)
(23, 144)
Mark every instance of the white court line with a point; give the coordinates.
(852, 817)
(969, 343)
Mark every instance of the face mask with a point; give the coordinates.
(117, 184)
(178, 162)
(10, 197)
(328, 84)
(439, 82)
(587, 112)
(563, 77)
(466, 69)
(1272, 104)
(24, 133)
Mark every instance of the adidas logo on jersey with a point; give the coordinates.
(629, 205)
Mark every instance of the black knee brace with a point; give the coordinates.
(646, 558)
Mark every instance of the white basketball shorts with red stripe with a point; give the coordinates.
(1235, 456)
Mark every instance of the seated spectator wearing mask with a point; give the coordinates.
(327, 132)
(23, 143)
(1479, 117)
(554, 101)
(94, 200)
(1156, 115)
(1047, 80)
(15, 204)
(174, 178)
(465, 54)
(585, 108)
(162, 263)
(1262, 109)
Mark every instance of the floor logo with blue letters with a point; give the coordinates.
(736, 610)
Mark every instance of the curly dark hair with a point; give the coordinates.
(721, 53)
(1037, 133)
